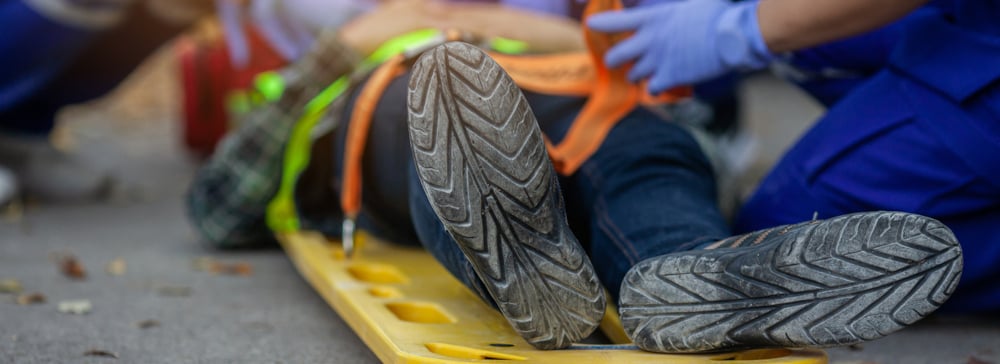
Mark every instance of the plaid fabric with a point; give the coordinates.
(228, 198)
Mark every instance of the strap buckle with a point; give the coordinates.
(347, 235)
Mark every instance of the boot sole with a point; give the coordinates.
(849, 279)
(482, 162)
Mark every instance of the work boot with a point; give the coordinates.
(49, 174)
(482, 162)
(824, 283)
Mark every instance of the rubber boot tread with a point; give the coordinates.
(482, 162)
(815, 285)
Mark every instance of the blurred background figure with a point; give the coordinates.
(60, 52)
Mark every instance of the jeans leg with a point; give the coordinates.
(438, 242)
(649, 191)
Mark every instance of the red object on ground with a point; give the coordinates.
(208, 77)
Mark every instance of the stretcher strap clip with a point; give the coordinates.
(347, 235)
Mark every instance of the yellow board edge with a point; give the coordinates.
(408, 309)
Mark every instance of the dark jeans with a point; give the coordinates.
(648, 190)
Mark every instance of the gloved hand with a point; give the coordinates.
(684, 42)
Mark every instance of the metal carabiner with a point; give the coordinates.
(347, 237)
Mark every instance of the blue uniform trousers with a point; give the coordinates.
(922, 134)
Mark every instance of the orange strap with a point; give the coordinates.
(570, 74)
(612, 97)
(357, 132)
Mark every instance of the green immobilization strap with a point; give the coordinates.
(282, 214)
(402, 44)
(508, 46)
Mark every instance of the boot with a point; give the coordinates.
(482, 162)
(834, 282)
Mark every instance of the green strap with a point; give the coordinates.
(508, 46)
(282, 214)
(401, 44)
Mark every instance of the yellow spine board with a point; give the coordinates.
(408, 309)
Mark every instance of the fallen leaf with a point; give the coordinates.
(10, 286)
(116, 267)
(240, 269)
(72, 268)
(76, 307)
(211, 265)
(30, 299)
(99, 352)
(174, 291)
(146, 324)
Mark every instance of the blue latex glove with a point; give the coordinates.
(684, 42)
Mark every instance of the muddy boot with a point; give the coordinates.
(482, 162)
(822, 283)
